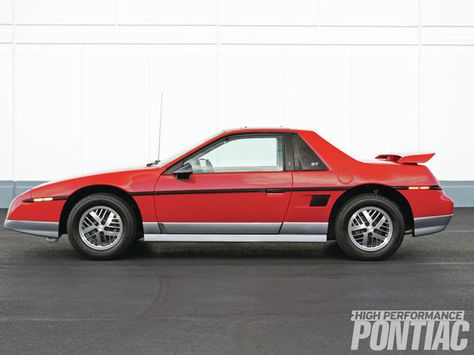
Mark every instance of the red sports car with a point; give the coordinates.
(244, 185)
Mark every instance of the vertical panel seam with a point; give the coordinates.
(285, 79)
(13, 88)
(218, 49)
(81, 84)
(318, 13)
(419, 77)
(115, 13)
(149, 89)
(351, 94)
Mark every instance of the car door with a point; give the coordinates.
(238, 185)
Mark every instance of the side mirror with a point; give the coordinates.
(184, 172)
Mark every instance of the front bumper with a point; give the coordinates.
(430, 225)
(42, 229)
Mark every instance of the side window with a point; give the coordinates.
(241, 154)
(305, 158)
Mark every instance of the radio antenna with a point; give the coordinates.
(156, 162)
(159, 126)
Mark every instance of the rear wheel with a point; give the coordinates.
(102, 226)
(369, 227)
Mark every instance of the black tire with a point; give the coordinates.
(349, 245)
(120, 207)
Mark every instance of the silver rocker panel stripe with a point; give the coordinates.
(304, 228)
(151, 228)
(42, 229)
(430, 225)
(236, 228)
(236, 238)
(220, 228)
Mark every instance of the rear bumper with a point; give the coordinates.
(41, 229)
(430, 225)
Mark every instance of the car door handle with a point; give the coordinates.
(274, 191)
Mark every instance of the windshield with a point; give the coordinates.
(163, 162)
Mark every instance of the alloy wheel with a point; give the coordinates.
(370, 228)
(100, 228)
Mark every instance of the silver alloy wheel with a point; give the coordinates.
(100, 228)
(370, 228)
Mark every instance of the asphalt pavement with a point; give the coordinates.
(184, 298)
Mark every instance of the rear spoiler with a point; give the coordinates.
(406, 159)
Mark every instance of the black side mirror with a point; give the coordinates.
(184, 172)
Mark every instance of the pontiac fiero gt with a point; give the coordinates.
(244, 185)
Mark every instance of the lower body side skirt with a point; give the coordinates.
(235, 232)
(236, 238)
(430, 225)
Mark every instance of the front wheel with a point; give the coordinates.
(102, 226)
(369, 227)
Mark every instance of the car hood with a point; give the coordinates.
(130, 180)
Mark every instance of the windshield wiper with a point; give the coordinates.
(156, 162)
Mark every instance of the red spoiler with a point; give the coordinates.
(406, 159)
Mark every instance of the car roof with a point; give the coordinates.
(260, 129)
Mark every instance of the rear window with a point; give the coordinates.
(305, 158)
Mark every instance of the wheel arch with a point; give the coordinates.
(92, 189)
(380, 189)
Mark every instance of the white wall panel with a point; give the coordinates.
(186, 76)
(461, 36)
(115, 107)
(318, 97)
(6, 34)
(384, 101)
(64, 11)
(347, 68)
(113, 34)
(368, 12)
(447, 106)
(6, 137)
(251, 86)
(447, 12)
(268, 12)
(296, 35)
(209, 35)
(47, 112)
(166, 11)
(5, 11)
